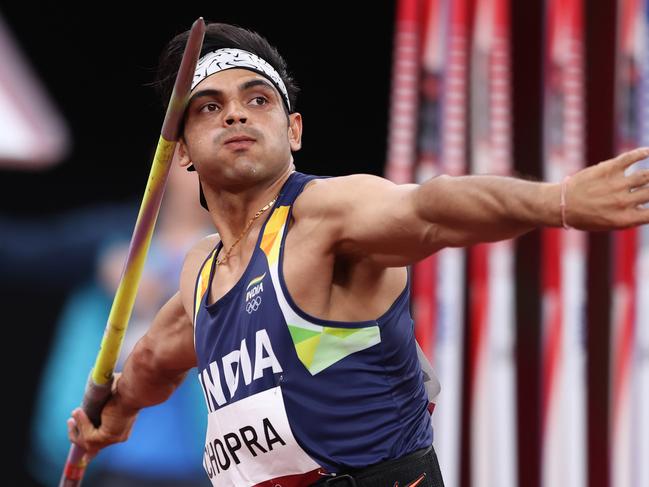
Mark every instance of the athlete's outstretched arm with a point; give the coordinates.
(155, 367)
(396, 225)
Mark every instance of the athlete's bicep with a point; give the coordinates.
(372, 218)
(169, 341)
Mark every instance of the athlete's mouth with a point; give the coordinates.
(238, 139)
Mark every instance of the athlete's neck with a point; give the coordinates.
(231, 212)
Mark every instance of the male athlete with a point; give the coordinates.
(297, 312)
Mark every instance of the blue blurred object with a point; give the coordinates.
(165, 447)
(60, 250)
(166, 440)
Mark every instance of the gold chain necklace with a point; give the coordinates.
(245, 230)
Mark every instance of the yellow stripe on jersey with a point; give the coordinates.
(272, 238)
(203, 281)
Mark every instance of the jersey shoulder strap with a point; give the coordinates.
(202, 281)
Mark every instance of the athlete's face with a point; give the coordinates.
(236, 130)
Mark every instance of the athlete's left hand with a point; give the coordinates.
(603, 197)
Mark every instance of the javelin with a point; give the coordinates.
(99, 385)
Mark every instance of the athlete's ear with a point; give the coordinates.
(295, 131)
(182, 153)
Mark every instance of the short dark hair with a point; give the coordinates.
(219, 36)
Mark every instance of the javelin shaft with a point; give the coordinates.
(99, 384)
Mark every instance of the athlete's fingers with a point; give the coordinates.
(642, 216)
(116, 377)
(82, 420)
(637, 179)
(73, 431)
(629, 158)
(82, 432)
(639, 196)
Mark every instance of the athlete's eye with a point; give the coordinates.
(259, 100)
(209, 107)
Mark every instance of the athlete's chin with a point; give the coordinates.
(245, 171)
(242, 170)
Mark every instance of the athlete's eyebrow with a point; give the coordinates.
(254, 83)
(242, 87)
(204, 93)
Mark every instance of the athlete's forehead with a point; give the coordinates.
(231, 80)
(227, 59)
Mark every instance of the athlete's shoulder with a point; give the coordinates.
(335, 193)
(204, 246)
(330, 187)
(191, 266)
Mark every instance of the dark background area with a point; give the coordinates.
(96, 59)
(96, 64)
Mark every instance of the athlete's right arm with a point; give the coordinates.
(156, 366)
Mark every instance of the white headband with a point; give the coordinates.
(223, 59)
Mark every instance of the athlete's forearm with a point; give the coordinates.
(156, 366)
(145, 381)
(471, 209)
(140, 385)
(160, 359)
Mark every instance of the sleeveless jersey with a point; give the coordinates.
(290, 394)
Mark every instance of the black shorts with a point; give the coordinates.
(417, 469)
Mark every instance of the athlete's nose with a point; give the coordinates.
(235, 113)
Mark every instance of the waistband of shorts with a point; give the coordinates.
(349, 477)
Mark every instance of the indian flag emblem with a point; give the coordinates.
(253, 293)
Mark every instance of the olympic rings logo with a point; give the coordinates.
(253, 304)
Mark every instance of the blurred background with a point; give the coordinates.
(541, 344)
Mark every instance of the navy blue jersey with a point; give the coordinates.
(288, 392)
